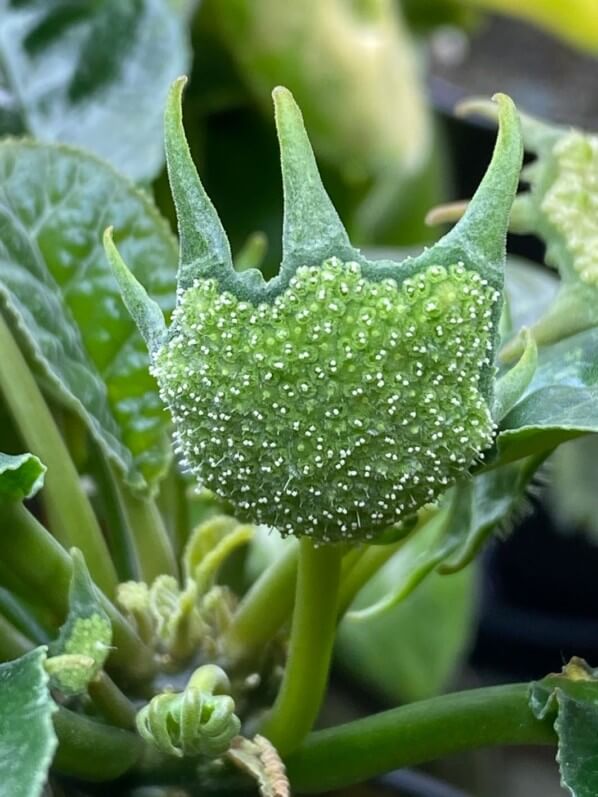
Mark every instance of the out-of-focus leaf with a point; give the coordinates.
(21, 476)
(571, 495)
(411, 651)
(576, 21)
(54, 205)
(561, 401)
(530, 289)
(573, 697)
(92, 74)
(27, 739)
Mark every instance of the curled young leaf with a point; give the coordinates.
(200, 721)
(571, 697)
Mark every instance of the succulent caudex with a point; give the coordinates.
(344, 394)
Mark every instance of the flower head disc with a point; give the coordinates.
(344, 394)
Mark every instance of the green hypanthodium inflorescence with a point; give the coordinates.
(344, 394)
(369, 393)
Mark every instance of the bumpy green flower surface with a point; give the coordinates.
(85, 652)
(343, 405)
(571, 202)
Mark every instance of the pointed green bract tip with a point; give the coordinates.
(312, 229)
(204, 248)
(144, 311)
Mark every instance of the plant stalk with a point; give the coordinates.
(152, 543)
(115, 519)
(70, 514)
(264, 609)
(429, 729)
(312, 637)
(114, 704)
(91, 750)
(370, 561)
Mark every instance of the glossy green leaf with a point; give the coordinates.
(561, 401)
(452, 538)
(27, 739)
(573, 697)
(54, 205)
(21, 476)
(93, 74)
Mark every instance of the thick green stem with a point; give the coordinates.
(91, 750)
(152, 543)
(409, 735)
(70, 514)
(312, 637)
(41, 562)
(174, 506)
(114, 516)
(264, 609)
(114, 704)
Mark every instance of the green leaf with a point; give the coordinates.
(573, 695)
(482, 505)
(27, 739)
(84, 641)
(411, 651)
(473, 509)
(560, 403)
(512, 385)
(530, 290)
(21, 476)
(416, 559)
(58, 286)
(93, 74)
